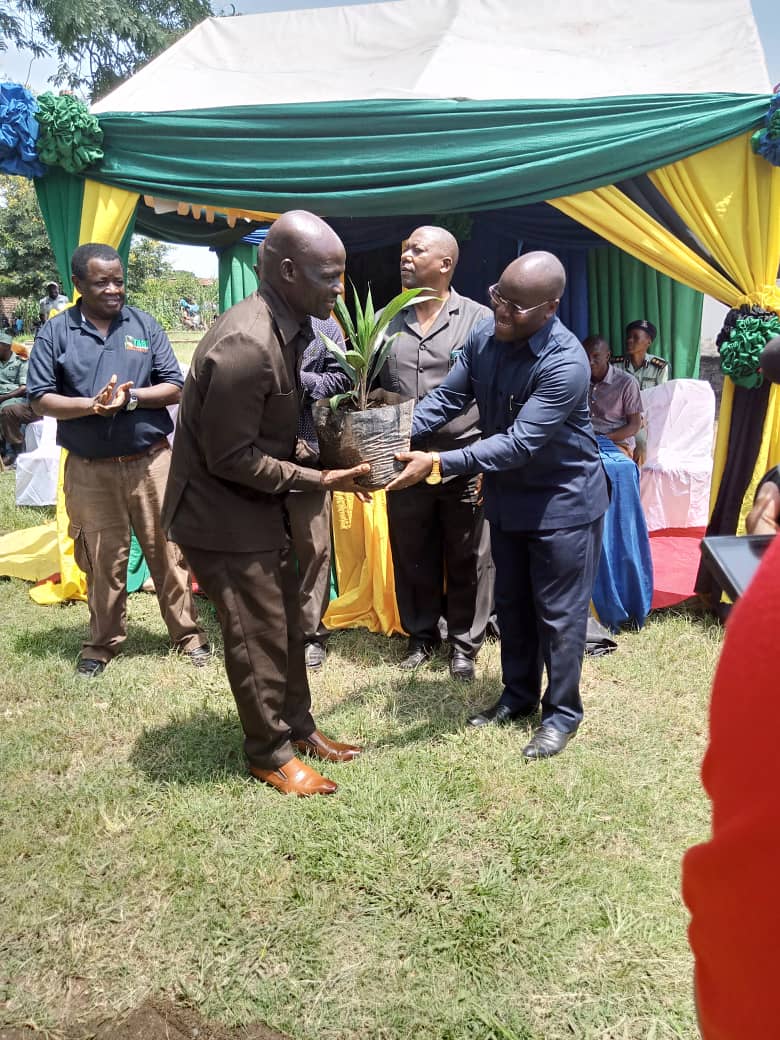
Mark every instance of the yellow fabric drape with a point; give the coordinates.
(614, 216)
(768, 453)
(364, 566)
(32, 554)
(730, 199)
(105, 215)
(73, 581)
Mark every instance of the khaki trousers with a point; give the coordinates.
(256, 598)
(309, 515)
(104, 500)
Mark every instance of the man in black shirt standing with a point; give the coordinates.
(106, 373)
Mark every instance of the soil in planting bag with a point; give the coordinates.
(348, 438)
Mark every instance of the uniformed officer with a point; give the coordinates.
(648, 370)
(545, 490)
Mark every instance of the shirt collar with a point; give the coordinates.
(288, 324)
(452, 306)
(608, 378)
(76, 319)
(538, 341)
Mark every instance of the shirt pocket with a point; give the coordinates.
(279, 424)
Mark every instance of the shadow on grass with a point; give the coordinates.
(66, 641)
(200, 749)
(206, 746)
(417, 708)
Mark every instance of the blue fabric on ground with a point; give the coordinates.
(623, 590)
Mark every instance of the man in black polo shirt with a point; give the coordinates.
(106, 373)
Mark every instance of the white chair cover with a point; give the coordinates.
(675, 479)
(37, 471)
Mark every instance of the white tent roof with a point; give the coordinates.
(478, 49)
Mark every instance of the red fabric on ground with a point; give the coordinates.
(676, 555)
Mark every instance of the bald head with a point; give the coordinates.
(428, 259)
(528, 294)
(539, 276)
(303, 260)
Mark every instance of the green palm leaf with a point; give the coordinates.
(336, 400)
(340, 356)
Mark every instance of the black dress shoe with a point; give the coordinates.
(546, 742)
(498, 715)
(418, 654)
(89, 668)
(461, 666)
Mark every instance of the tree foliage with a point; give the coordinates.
(98, 43)
(148, 260)
(26, 257)
(160, 297)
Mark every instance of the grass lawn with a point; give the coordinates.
(448, 891)
(184, 343)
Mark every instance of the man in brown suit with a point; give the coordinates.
(232, 466)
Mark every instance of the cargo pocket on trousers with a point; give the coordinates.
(81, 550)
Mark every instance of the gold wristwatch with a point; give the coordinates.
(434, 477)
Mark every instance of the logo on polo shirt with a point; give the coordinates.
(141, 345)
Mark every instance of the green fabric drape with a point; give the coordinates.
(170, 227)
(137, 567)
(237, 278)
(374, 158)
(60, 196)
(622, 289)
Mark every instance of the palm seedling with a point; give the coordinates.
(367, 346)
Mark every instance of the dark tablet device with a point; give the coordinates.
(733, 559)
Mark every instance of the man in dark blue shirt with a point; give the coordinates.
(106, 373)
(544, 488)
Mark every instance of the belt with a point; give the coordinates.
(151, 450)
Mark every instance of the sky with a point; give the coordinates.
(19, 68)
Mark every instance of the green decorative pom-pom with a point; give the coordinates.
(69, 136)
(739, 354)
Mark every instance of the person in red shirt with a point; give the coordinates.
(728, 881)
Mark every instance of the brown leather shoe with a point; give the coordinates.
(318, 745)
(295, 777)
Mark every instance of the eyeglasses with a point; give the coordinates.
(520, 312)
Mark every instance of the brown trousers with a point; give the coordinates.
(256, 598)
(309, 515)
(12, 417)
(104, 500)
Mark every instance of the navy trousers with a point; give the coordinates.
(544, 581)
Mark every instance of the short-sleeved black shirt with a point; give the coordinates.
(70, 357)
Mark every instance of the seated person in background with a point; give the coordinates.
(5, 324)
(13, 399)
(53, 302)
(615, 404)
(648, 369)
